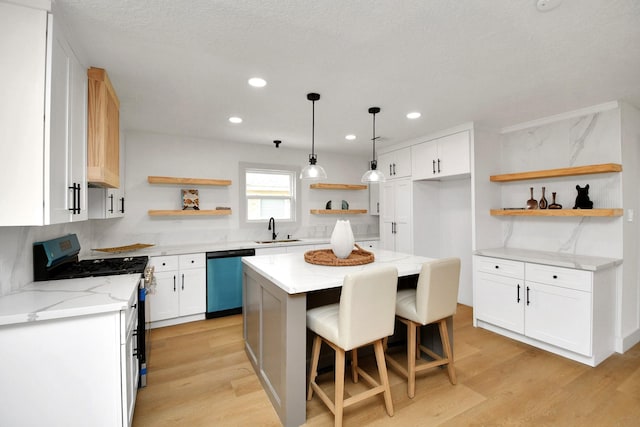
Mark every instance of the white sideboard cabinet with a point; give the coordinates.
(563, 310)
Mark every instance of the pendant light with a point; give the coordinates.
(312, 170)
(373, 174)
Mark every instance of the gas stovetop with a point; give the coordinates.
(99, 267)
(58, 259)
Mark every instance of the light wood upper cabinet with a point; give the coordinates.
(103, 146)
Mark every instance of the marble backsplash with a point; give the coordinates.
(589, 139)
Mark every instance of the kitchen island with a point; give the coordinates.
(275, 299)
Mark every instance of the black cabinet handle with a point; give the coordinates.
(174, 283)
(555, 277)
(528, 295)
(438, 165)
(111, 202)
(122, 202)
(433, 166)
(518, 295)
(79, 204)
(394, 168)
(390, 170)
(134, 306)
(76, 198)
(497, 267)
(183, 281)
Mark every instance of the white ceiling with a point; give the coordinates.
(181, 67)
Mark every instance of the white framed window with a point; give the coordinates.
(269, 191)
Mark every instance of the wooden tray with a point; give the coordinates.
(326, 257)
(127, 248)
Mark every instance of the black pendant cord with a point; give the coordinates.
(313, 127)
(374, 111)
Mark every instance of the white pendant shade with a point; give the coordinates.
(373, 175)
(313, 172)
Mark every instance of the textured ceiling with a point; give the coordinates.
(180, 67)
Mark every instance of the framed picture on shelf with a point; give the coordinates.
(190, 199)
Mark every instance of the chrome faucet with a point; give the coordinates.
(272, 221)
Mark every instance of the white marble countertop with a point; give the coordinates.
(294, 275)
(162, 250)
(579, 262)
(58, 299)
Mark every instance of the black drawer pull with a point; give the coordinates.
(497, 266)
(555, 276)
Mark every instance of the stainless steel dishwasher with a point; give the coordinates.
(224, 282)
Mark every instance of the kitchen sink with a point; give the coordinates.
(264, 242)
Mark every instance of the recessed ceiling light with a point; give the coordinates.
(413, 115)
(350, 137)
(235, 120)
(257, 82)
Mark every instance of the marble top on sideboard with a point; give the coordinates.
(558, 259)
(57, 299)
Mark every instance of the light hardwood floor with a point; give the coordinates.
(199, 375)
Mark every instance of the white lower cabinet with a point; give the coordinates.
(181, 286)
(562, 310)
(71, 372)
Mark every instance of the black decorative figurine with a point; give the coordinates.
(582, 200)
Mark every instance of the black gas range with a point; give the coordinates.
(57, 259)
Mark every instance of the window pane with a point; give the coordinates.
(263, 209)
(268, 184)
(270, 193)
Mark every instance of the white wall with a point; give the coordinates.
(152, 154)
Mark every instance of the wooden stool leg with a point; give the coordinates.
(339, 380)
(354, 365)
(411, 359)
(417, 341)
(384, 378)
(313, 373)
(446, 346)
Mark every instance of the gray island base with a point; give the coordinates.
(276, 292)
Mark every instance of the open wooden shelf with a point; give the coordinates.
(322, 186)
(210, 212)
(557, 212)
(553, 173)
(338, 211)
(187, 181)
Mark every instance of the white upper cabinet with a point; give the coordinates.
(43, 162)
(395, 164)
(444, 157)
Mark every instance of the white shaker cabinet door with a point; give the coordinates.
(163, 303)
(193, 291)
(559, 316)
(499, 300)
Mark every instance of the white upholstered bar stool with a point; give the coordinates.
(433, 301)
(365, 315)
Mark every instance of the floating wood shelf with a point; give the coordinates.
(321, 186)
(338, 211)
(557, 212)
(553, 173)
(211, 212)
(187, 181)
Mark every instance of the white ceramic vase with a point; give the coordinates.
(342, 239)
